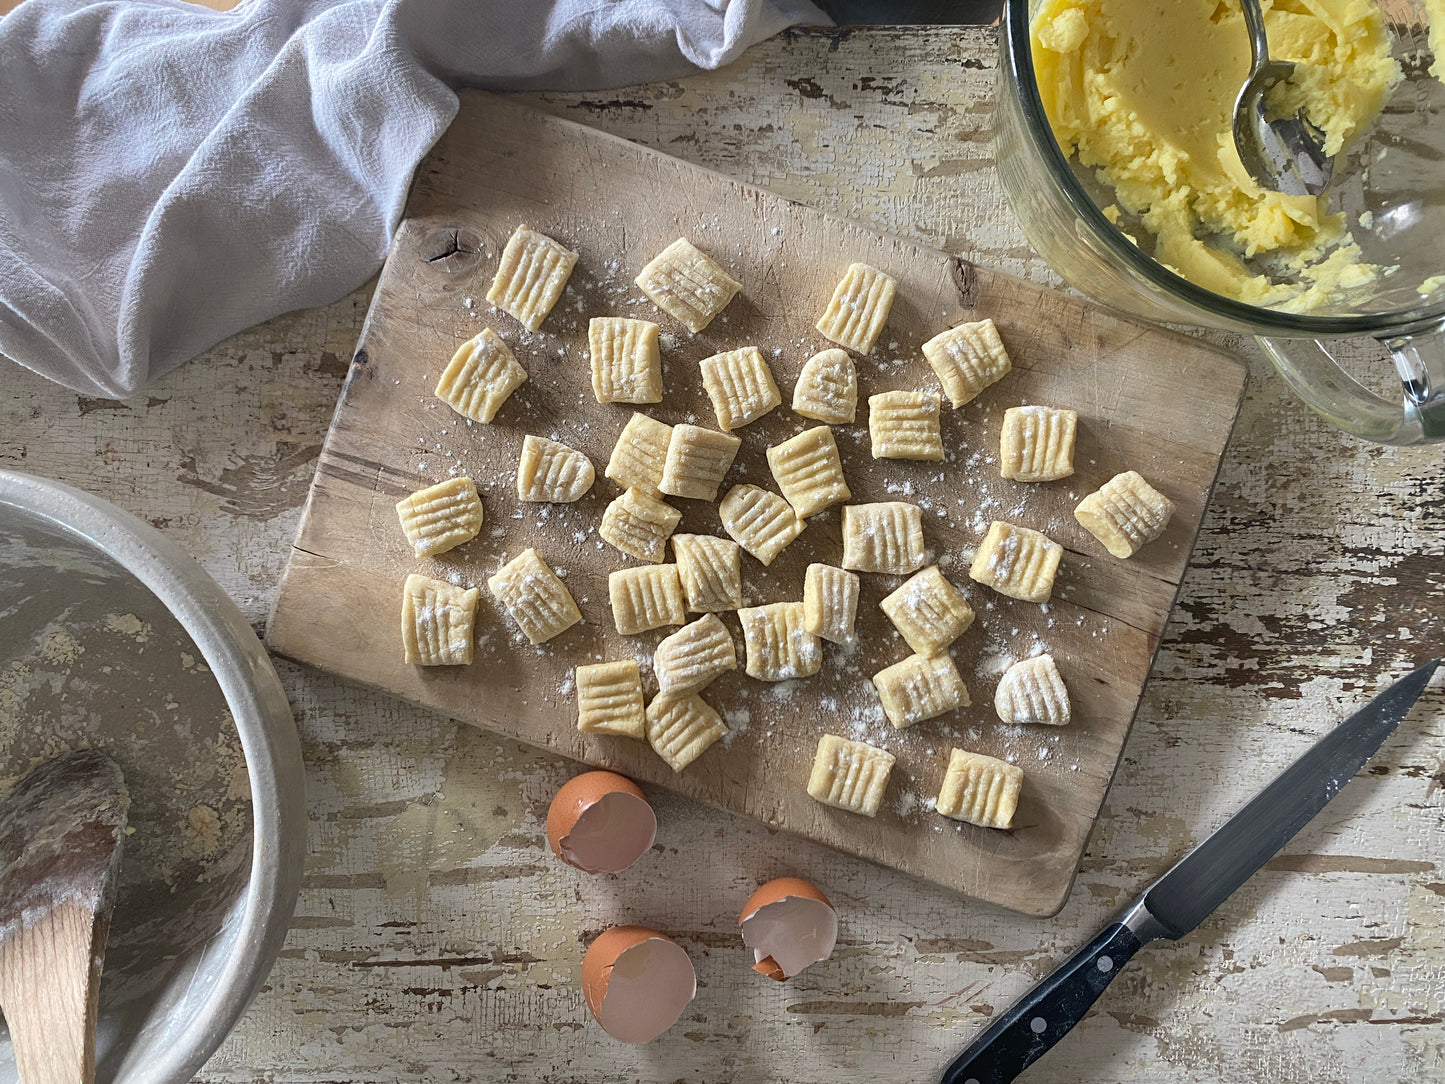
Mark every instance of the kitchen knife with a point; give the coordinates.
(1198, 883)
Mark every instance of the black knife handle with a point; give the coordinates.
(1045, 1014)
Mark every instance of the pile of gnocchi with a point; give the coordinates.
(652, 462)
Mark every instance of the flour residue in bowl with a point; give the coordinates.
(1143, 94)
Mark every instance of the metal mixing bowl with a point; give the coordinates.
(113, 638)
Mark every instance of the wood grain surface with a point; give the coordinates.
(618, 204)
(435, 937)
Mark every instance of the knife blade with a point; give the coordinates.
(1198, 883)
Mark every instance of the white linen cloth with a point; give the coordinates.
(170, 174)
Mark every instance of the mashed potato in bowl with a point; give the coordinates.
(1142, 92)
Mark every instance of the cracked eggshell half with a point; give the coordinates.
(600, 822)
(636, 982)
(789, 924)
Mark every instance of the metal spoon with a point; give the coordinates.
(1284, 154)
(61, 831)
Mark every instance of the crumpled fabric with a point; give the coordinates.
(170, 175)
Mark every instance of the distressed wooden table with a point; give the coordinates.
(435, 939)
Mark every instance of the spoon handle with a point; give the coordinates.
(49, 981)
(1254, 23)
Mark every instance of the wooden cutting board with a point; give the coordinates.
(1148, 400)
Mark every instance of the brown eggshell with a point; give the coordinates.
(651, 992)
(781, 888)
(789, 924)
(617, 825)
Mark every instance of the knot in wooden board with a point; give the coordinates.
(451, 249)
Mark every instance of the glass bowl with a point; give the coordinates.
(1058, 207)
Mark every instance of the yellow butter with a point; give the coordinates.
(1144, 93)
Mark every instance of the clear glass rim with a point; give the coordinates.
(1250, 318)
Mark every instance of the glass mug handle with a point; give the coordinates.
(1314, 375)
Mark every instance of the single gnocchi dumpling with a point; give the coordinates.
(1125, 513)
(686, 285)
(626, 364)
(761, 522)
(850, 775)
(441, 517)
(681, 728)
(481, 376)
(1032, 691)
(905, 425)
(609, 699)
(928, 611)
(980, 790)
(827, 388)
(646, 598)
(552, 472)
(778, 645)
(967, 359)
(437, 622)
(883, 537)
(859, 308)
(697, 460)
(740, 385)
(1036, 443)
(533, 271)
(638, 455)
(639, 525)
(535, 596)
(920, 687)
(809, 472)
(711, 572)
(694, 656)
(1017, 561)
(830, 603)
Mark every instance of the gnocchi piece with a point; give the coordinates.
(1125, 513)
(481, 376)
(530, 278)
(761, 522)
(1017, 561)
(535, 596)
(928, 611)
(646, 598)
(681, 728)
(1036, 443)
(637, 457)
(920, 687)
(809, 472)
(859, 308)
(778, 644)
(626, 365)
(850, 775)
(905, 425)
(553, 472)
(697, 459)
(830, 603)
(437, 620)
(711, 572)
(639, 525)
(740, 385)
(827, 388)
(686, 285)
(441, 517)
(980, 790)
(883, 537)
(694, 656)
(609, 699)
(1032, 691)
(967, 359)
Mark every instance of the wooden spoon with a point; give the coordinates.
(61, 831)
